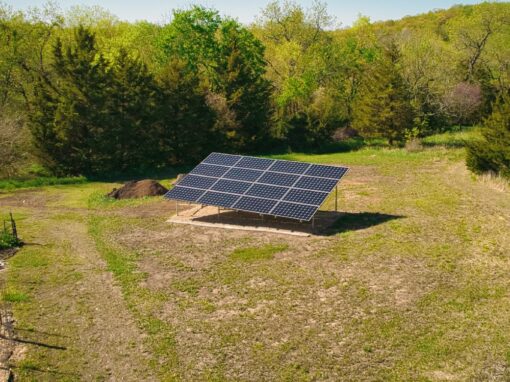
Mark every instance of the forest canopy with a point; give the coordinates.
(83, 92)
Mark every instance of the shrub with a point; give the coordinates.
(492, 152)
(8, 241)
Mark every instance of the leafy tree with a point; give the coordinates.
(383, 109)
(229, 61)
(240, 79)
(492, 154)
(92, 115)
(304, 67)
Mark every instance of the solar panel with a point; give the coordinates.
(294, 211)
(266, 191)
(218, 199)
(196, 181)
(222, 159)
(278, 179)
(209, 170)
(262, 206)
(255, 163)
(318, 184)
(243, 174)
(276, 187)
(231, 186)
(313, 198)
(290, 167)
(326, 171)
(184, 193)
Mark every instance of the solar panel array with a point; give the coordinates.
(281, 188)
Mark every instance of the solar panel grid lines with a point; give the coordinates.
(314, 198)
(279, 179)
(294, 211)
(231, 186)
(248, 175)
(222, 159)
(209, 170)
(265, 186)
(255, 163)
(258, 205)
(184, 193)
(196, 181)
(297, 180)
(266, 191)
(218, 199)
(290, 167)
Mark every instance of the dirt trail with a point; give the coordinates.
(107, 328)
(82, 310)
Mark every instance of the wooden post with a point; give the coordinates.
(13, 225)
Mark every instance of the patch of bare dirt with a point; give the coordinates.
(157, 209)
(30, 198)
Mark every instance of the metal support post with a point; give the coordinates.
(336, 198)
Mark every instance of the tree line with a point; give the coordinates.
(89, 94)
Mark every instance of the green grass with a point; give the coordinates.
(14, 296)
(99, 199)
(12, 184)
(266, 252)
(452, 139)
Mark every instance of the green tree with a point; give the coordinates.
(382, 108)
(93, 116)
(240, 80)
(186, 132)
(492, 153)
(229, 61)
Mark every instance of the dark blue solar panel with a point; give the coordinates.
(294, 211)
(222, 159)
(218, 199)
(261, 206)
(318, 184)
(243, 174)
(183, 193)
(326, 171)
(209, 170)
(307, 197)
(265, 191)
(197, 181)
(255, 163)
(231, 186)
(278, 179)
(292, 167)
(266, 186)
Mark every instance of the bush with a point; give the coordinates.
(8, 241)
(492, 152)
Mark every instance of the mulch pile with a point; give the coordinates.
(138, 189)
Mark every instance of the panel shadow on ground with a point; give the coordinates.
(326, 223)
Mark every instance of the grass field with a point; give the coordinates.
(413, 285)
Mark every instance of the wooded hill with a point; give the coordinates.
(86, 93)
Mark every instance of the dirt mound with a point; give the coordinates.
(138, 189)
